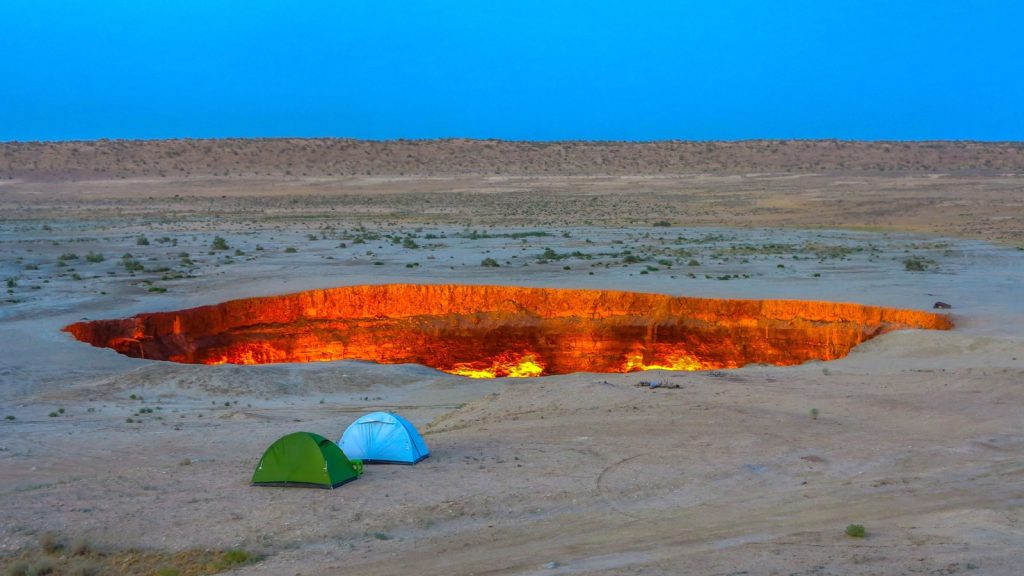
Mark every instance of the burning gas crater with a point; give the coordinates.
(494, 331)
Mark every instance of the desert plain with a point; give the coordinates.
(916, 435)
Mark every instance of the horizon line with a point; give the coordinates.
(511, 141)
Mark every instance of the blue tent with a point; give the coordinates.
(383, 438)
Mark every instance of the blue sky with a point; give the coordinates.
(524, 69)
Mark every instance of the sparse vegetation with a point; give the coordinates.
(83, 559)
(18, 568)
(49, 543)
(232, 558)
(94, 257)
(219, 243)
(42, 567)
(856, 531)
(80, 546)
(84, 567)
(489, 263)
(917, 264)
(131, 264)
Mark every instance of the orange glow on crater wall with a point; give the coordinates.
(503, 331)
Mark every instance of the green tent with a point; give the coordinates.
(303, 459)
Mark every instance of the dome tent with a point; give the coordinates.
(303, 459)
(383, 438)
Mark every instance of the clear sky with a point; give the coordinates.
(521, 69)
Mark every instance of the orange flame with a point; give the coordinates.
(504, 331)
(508, 364)
(635, 362)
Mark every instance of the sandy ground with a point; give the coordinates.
(918, 435)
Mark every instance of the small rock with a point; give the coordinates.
(551, 565)
(940, 305)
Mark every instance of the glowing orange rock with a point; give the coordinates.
(496, 331)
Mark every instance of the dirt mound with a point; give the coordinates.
(293, 157)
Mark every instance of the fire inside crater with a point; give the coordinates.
(498, 331)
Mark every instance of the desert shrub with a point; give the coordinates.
(94, 257)
(290, 250)
(19, 568)
(142, 241)
(856, 531)
(916, 264)
(80, 547)
(550, 254)
(83, 567)
(48, 541)
(234, 557)
(489, 263)
(219, 243)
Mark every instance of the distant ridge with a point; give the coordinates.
(332, 157)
